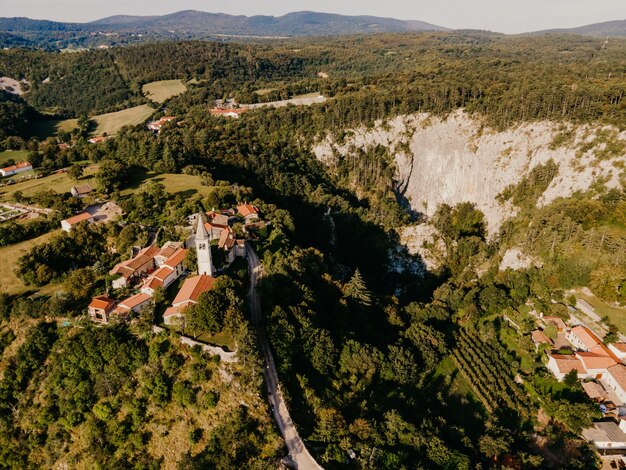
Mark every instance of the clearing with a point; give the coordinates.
(185, 185)
(59, 182)
(163, 90)
(9, 282)
(109, 123)
(17, 155)
(113, 122)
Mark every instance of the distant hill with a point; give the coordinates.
(191, 24)
(607, 28)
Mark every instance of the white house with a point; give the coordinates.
(171, 269)
(582, 338)
(561, 364)
(134, 267)
(67, 224)
(17, 168)
(133, 304)
(619, 349)
(615, 379)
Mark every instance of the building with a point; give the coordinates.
(67, 224)
(606, 436)
(97, 140)
(141, 264)
(159, 123)
(133, 304)
(171, 269)
(228, 112)
(248, 212)
(189, 294)
(615, 380)
(203, 248)
(17, 168)
(216, 224)
(166, 252)
(619, 349)
(582, 338)
(100, 308)
(539, 337)
(81, 191)
(562, 364)
(556, 321)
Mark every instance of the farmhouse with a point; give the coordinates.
(562, 364)
(159, 123)
(100, 308)
(81, 191)
(97, 140)
(67, 224)
(132, 304)
(14, 169)
(189, 294)
(248, 212)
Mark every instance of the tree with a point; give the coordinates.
(357, 290)
(76, 172)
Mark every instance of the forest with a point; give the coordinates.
(382, 368)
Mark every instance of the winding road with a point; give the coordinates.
(298, 453)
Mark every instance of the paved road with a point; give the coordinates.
(297, 451)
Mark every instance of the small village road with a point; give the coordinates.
(298, 453)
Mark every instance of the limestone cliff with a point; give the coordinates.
(457, 159)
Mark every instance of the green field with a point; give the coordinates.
(186, 185)
(109, 123)
(163, 90)
(59, 182)
(9, 255)
(17, 155)
(113, 122)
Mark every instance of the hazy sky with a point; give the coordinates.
(509, 16)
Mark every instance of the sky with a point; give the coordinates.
(507, 16)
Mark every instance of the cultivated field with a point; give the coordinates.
(17, 155)
(9, 255)
(59, 182)
(163, 90)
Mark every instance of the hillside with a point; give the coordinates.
(191, 24)
(607, 28)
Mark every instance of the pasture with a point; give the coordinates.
(163, 90)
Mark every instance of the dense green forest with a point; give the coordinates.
(382, 368)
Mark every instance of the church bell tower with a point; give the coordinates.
(203, 248)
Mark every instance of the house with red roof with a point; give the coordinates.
(228, 112)
(135, 267)
(17, 168)
(189, 294)
(159, 123)
(132, 304)
(171, 269)
(100, 308)
(619, 349)
(248, 212)
(67, 224)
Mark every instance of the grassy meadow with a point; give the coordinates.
(163, 90)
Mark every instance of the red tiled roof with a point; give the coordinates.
(596, 361)
(226, 239)
(560, 324)
(621, 347)
(168, 249)
(132, 302)
(539, 337)
(17, 166)
(566, 363)
(129, 267)
(193, 288)
(79, 218)
(102, 302)
(588, 337)
(618, 371)
(169, 311)
(217, 219)
(247, 209)
(177, 258)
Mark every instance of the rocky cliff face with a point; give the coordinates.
(456, 159)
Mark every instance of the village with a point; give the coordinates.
(153, 267)
(575, 352)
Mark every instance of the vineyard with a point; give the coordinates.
(490, 377)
